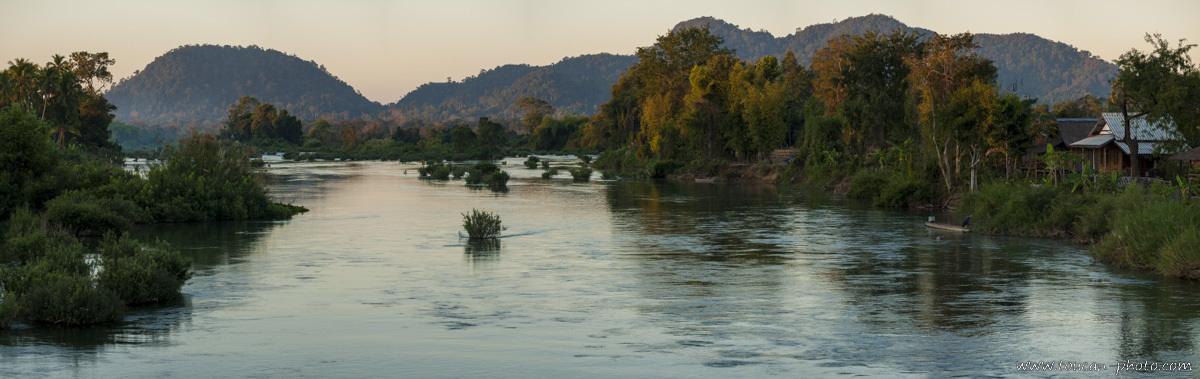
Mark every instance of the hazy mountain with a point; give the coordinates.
(198, 84)
(573, 85)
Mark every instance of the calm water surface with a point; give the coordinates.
(612, 279)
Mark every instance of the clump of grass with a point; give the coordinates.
(481, 224)
(549, 173)
(582, 174)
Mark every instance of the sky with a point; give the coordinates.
(387, 48)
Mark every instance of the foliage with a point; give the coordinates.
(203, 179)
(487, 173)
(1043, 211)
(249, 119)
(582, 174)
(1157, 234)
(1163, 85)
(533, 110)
(83, 213)
(140, 274)
(549, 173)
(435, 170)
(482, 224)
(531, 162)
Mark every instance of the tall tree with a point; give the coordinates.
(949, 65)
(1163, 86)
(93, 69)
(532, 110)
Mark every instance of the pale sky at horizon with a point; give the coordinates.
(387, 48)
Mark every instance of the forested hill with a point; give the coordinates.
(1029, 65)
(198, 83)
(573, 85)
(1032, 66)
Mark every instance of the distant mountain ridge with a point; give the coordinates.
(198, 83)
(1027, 64)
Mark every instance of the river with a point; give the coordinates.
(613, 279)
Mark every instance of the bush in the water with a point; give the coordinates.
(458, 171)
(545, 164)
(435, 170)
(531, 162)
(45, 277)
(142, 274)
(481, 224)
(487, 173)
(550, 173)
(582, 174)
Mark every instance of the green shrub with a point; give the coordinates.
(435, 170)
(458, 171)
(70, 300)
(546, 164)
(550, 173)
(902, 191)
(482, 224)
(608, 175)
(582, 174)
(867, 184)
(487, 173)
(9, 309)
(140, 274)
(83, 213)
(660, 169)
(531, 162)
(203, 180)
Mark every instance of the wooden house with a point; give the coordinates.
(1105, 148)
(1070, 130)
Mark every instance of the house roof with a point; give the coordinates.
(1075, 129)
(1144, 147)
(1190, 155)
(1096, 142)
(1141, 129)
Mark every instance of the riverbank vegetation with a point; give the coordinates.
(60, 179)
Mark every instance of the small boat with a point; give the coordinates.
(953, 228)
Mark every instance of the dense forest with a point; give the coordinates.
(195, 84)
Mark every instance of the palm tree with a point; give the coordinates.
(23, 79)
(61, 97)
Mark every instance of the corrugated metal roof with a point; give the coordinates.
(1144, 147)
(1141, 129)
(1095, 141)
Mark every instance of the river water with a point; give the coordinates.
(613, 279)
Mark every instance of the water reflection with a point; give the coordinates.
(482, 252)
(210, 243)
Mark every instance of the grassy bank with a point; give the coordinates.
(1131, 227)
